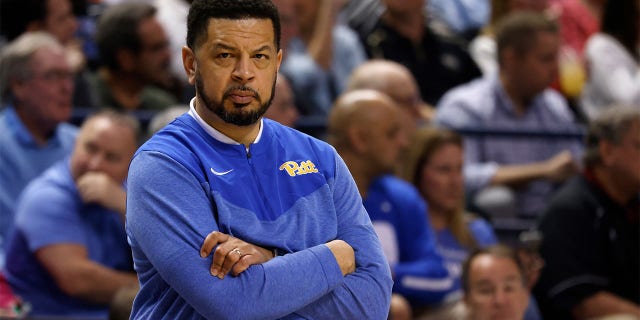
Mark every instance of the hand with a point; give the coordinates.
(232, 254)
(98, 187)
(344, 255)
(560, 167)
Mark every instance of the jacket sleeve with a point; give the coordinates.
(366, 293)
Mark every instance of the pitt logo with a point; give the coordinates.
(294, 169)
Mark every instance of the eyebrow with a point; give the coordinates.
(223, 46)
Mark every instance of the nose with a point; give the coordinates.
(499, 297)
(243, 71)
(94, 163)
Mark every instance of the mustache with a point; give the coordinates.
(235, 89)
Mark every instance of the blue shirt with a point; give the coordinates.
(483, 104)
(288, 191)
(22, 159)
(50, 211)
(454, 253)
(399, 216)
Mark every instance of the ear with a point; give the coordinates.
(126, 60)
(19, 89)
(606, 152)
(279, 59)
(358, 138)
(189, 63)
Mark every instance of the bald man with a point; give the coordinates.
(365, 128)
(396, 81)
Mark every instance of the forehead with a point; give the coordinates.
(105, 129)
(246, 32)
(491, 268)
(48, 58)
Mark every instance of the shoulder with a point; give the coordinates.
(556, 105)
(481, 230)
(295, 140)
(463, 104)
(574, 200)
(51, 192)
(396, 190)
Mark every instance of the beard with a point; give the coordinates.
(237, 115)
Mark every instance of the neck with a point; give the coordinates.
(39, 130)
(245, 135)
(437, 218)
(409, 24)
(512, 91)
(362, 178)
(613, 186)
(126, 89)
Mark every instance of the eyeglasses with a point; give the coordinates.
(55, 76)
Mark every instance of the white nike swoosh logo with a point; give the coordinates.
(220, 173)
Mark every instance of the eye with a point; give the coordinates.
(261, 56)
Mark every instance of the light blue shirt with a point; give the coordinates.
(483, 104)
(461, 15)
(22, 159)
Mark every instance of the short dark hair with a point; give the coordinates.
(203, 10)
(609, 126)
(117, 29)
(498, 251)
(518, 30)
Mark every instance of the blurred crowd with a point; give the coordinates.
(495, 144)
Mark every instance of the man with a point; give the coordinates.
(37, 83)
(135, 57)
(365, 127)
(396, 81)
(590, 228)
(57, 18)
(282, 206)
(68, 254)
(494, 285)
(517, 99)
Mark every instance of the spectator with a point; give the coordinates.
(279, 207)
(365, 128)
(434, 167)
(134, 52)
(68, 253)
(320, 60)
(613, 59)
(590, 227)
(494, 285)
(483, 46)
(37, 83)
(521, 172)
(57, 18)
(437, 60)
(396, 81)
(283, 108)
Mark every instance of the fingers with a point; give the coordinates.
(211, 241)
(231, 258)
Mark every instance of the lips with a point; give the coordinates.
(241, 98)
